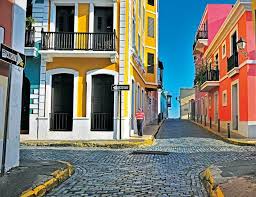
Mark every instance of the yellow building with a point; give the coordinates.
(86, 47)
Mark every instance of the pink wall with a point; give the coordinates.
(217, 13)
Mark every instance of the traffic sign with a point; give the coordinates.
(11, 56)
(120, 87)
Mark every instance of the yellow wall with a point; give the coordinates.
(83, 17)
(82, 65)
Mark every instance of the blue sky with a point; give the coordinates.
(178, 23)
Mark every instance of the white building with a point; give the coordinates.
(12, 30)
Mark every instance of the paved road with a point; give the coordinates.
(105, 172)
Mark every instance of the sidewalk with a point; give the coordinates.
(231, 179)
(223, 135)
(148, 139)
(34, 178)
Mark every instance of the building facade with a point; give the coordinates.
(227, 80)
(187, 103)
(86, 46)
(12, 29)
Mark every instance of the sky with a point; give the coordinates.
(178, 22)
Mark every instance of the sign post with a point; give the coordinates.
(9, 56)
(120, 88)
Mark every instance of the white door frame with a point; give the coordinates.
(233, 83)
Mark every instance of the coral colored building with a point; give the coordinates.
(228, 76)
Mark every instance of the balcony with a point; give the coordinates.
(201, 42)
(210, 80)
(30, 49)
(233, 65)
(82, 44)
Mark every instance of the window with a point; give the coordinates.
(224, 98)
(133, 34)
(151, 2)
(233, 41)
(216, 60)
(142, 99)
(138, 98)
(151, 60)
(151, 27)
(224, 50)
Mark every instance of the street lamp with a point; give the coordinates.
(241, 44)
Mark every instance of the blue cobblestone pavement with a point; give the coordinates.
(108, 172)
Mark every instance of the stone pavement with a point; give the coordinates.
(235, 178)
(235, 137)
(110, 172)
(28, 175)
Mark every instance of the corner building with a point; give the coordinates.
(86, 46)
(226, 79)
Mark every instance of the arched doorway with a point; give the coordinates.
(102, 103)
(61, 117)
(24, 126)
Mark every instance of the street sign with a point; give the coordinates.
(120, 87)
(11, 56)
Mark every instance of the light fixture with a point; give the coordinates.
(241, 44)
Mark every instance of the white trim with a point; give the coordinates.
(236, 82)
(76, 17)
(48, 95)
(234, 30)
(89, 75)
(149, 47)
(91, 17)
(224, 102)
(53, 17)
(223, 55)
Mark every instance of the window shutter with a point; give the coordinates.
(151, 27)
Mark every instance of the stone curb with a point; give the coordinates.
(210, 186)
(225, 139)
(103, 144)
(59, 176)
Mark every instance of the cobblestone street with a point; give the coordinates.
(108, 172)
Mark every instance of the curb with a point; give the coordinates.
(210, 186)
(225, 139)
(59, 176)
(104, 144)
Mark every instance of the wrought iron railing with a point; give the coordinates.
(233, 61)
(61, 121)
(78, 41)
(30, 37)
(207, 75)
(200, 35)
(102, 122)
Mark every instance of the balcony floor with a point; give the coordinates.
(209, 85)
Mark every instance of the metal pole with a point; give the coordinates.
(201, 119)
(204, 120)
(210, 122)
(120, 113)
(229, 130)
(218, 125)
(6, 121)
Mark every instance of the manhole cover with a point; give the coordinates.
(149, 153)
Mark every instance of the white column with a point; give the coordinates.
(115, 15)
(76, 17)
(91, 17)
(42, 88)
(53, 17)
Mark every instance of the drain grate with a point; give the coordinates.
(149, 153)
